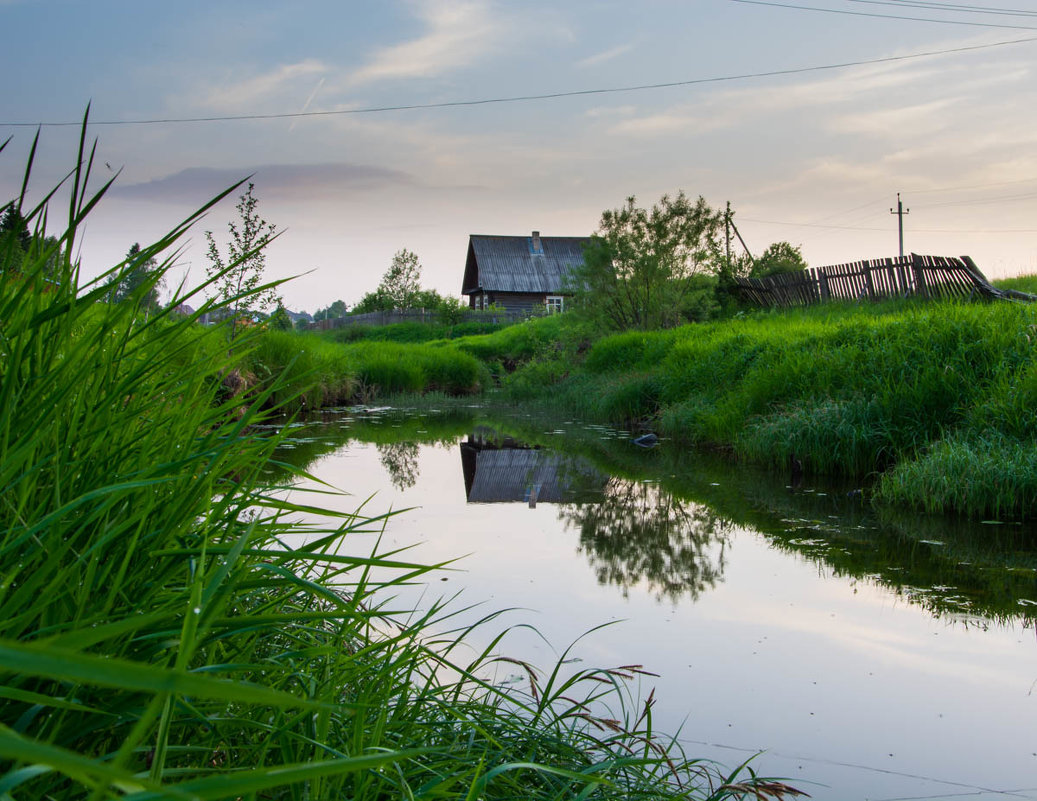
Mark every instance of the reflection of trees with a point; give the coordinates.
(641, 533)
(400, 460)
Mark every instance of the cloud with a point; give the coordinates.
(675, 120)
(274, 84)
(459, 32)
(610, 111)
(197, 184)
(890, 122)
(605, 55)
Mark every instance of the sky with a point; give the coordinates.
(808, 116)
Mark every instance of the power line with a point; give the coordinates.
(973, 186)
(885, 16)
(985, 201)
(886, 230)
(952, 7)
(527, 98)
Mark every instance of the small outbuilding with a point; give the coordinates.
(521, 273)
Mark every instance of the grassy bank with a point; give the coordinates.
(409, 332)
(318, 373)
(931, 405)
(168, 631)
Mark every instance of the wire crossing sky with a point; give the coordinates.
(530, 97)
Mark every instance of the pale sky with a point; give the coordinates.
(814, 157)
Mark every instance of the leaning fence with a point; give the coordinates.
(875, 279)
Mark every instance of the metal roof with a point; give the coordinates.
(509, 263)
(511, 474)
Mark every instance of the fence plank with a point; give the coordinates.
(877, 279)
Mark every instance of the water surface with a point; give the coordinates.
(867, 657)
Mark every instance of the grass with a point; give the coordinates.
(1021, 283)
(842, 390)
(305, 371)
(168, 630)
(409, 332)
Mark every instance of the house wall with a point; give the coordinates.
(511, 301)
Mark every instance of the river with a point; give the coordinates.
(861, 655)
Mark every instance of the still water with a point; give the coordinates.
(865, 656)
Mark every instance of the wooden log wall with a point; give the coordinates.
(876, 279)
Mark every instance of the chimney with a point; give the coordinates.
(537, 245)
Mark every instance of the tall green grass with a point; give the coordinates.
(410, 331)
(385, 368)
(839, 390)
(169, 630)
(307, 372)
(316, 373)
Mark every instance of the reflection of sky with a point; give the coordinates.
(822, 672)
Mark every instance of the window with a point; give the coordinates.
(555, 304)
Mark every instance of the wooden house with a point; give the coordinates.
(521, 273)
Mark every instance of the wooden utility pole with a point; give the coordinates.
(900, 212)
(727, 233)
(729, 225)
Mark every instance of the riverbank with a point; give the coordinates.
(927, 406)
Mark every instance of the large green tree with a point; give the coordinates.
(643, 266)
(240, 274)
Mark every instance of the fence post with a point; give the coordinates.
(917, 267)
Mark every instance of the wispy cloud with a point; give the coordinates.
(605, 55)
(677, 119)
(921, 117)
(458, 33)
(274, 84)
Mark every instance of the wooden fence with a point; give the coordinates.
(878, 279)
(416, 316)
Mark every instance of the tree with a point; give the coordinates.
(13, 224)
(402, 281)
(373, 302)
(780, 257)
(280, 320)
(18, 243)
(332, 312)
(238, 278)
(642, 266)
(137, 273)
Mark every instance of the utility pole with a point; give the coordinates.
(900, 212)
(727, 234)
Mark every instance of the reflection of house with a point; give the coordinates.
(506, 471)
(521, 273)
